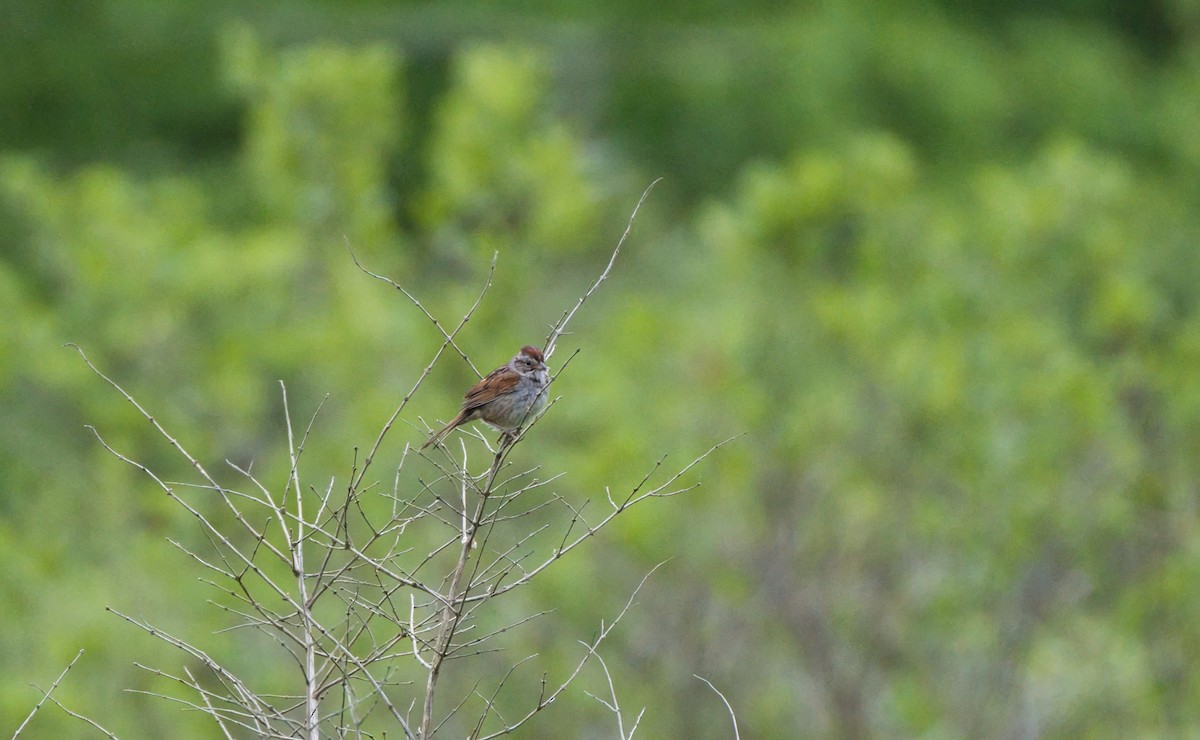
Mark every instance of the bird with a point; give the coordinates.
(506, 398)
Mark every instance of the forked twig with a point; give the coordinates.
(46, 694)
(614, 706)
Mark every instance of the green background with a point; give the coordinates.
(937, 261)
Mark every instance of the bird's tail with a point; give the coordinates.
(440, 434)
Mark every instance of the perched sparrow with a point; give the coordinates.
(508, 397)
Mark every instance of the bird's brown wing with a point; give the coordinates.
(497, 383)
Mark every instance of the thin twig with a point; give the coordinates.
(490, 703)
(561, 326)
(615, 705)
(46, 694)
(80, 717)
(449, 337)
(544, 699)
(732, 716)
(658, 492)
(212, 711)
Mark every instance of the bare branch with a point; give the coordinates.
(448, 340)
(558, 552)
(437, 324)
(212, 711)
(490, 703)
(209, 527)
(545, 700)
(561, 326)
(146, 415)
(255, 704)
(80, 717)
(614, 706)
(46, 694)
(736, 735)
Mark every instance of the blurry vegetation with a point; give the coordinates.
(939, 260)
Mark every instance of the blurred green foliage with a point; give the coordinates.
(936, 260)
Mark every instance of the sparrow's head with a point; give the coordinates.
(531, 358)
(533, 352)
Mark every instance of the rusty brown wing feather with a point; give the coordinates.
(498, 382)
